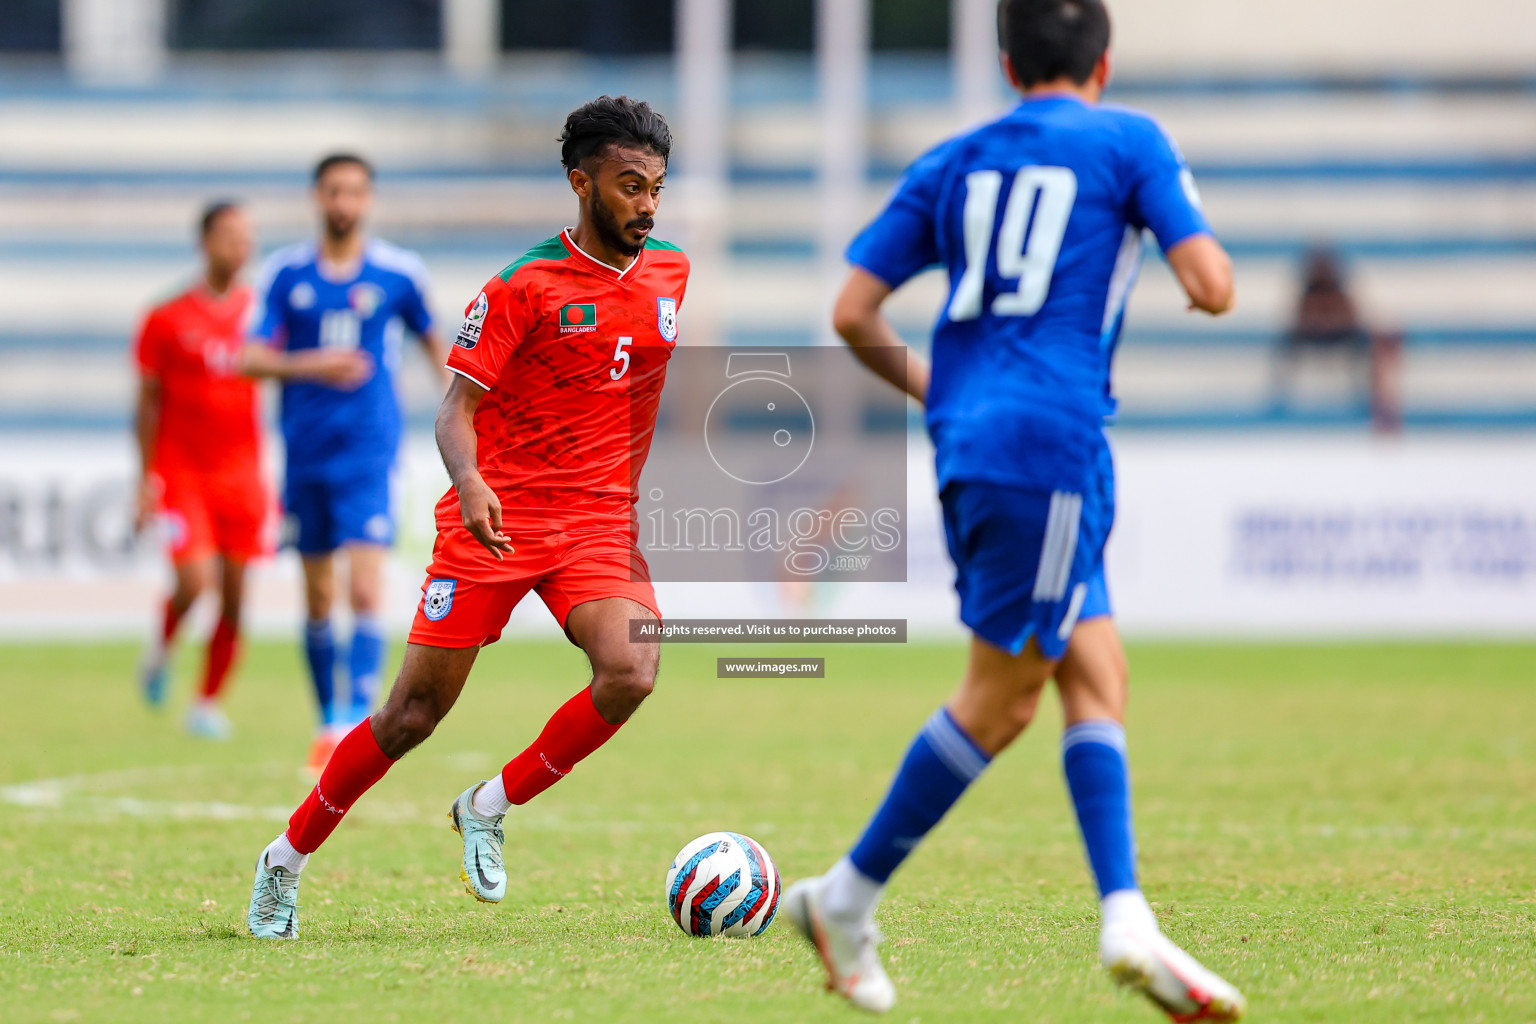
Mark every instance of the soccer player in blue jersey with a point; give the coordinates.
(346, 292)
(1038, 219)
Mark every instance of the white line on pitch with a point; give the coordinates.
(83, 792)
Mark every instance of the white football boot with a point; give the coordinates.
(1142, 957)
(853, 967)
(206, 720)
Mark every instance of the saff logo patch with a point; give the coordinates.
(438, 600)
(474, 320)
(666, 318)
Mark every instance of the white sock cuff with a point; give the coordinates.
(490, 800)
(848, 895)
(1129, 907)
(956, 749)
(1095, 730)
(281, 854)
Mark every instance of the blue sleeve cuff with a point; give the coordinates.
(1195, 232)
(892, 280)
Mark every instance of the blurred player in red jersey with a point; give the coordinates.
(200, 450)
(558, 371)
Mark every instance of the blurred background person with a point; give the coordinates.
(1326, 327)
(349, 293)
(199, 443)
(200, 456)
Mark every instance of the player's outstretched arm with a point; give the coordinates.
(1205, 271)
(479, 508)
(857, 319)
(437, 354)
(146, 428)
(338, 368)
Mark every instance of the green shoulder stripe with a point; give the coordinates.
(656, 243)
(549, 249)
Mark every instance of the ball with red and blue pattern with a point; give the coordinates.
(723, 883)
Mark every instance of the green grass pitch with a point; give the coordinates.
(1348, 832)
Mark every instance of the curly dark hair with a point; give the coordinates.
(612, 121)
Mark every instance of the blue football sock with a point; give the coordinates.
(1099, 778)
(365, 661)
(320, 652)
(941, 762)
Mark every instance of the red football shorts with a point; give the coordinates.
(567, 560)
(204, 516)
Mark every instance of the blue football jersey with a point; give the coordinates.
(331, 433)
(1038, 218)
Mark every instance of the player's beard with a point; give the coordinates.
(222, 271)
(612, 235)
(340, 228)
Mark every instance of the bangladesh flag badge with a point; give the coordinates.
(578, 316)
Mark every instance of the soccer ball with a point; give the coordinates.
(723, 883)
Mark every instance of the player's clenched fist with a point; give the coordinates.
(147, 501)
(340, 368)
(481, 512)
(344, 368)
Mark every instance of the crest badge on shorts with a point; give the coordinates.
(666, 318)
(439, 599)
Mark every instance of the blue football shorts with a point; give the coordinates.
(324, 514)
(1027, 563)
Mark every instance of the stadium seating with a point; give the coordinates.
(1427, 187)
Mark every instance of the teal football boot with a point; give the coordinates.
(154, 673)
(481, 869)
(274, 912)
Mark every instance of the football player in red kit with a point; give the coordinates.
(200, 450)
(558, 369)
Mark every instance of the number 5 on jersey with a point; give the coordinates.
(621, 357)
(1027, 246)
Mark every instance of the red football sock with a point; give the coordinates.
(571, 734)
(353, 769)
(222, 648)
(171, 620)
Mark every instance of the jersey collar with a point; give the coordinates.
(1054, 96)
(596, 264)
(214, 302)
(351, 273)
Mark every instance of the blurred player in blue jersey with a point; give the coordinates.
(346, 292)
(1038, 218)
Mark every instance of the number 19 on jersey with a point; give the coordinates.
(1027, 246)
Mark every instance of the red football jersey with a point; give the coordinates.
(208, 410)
(572, 354)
